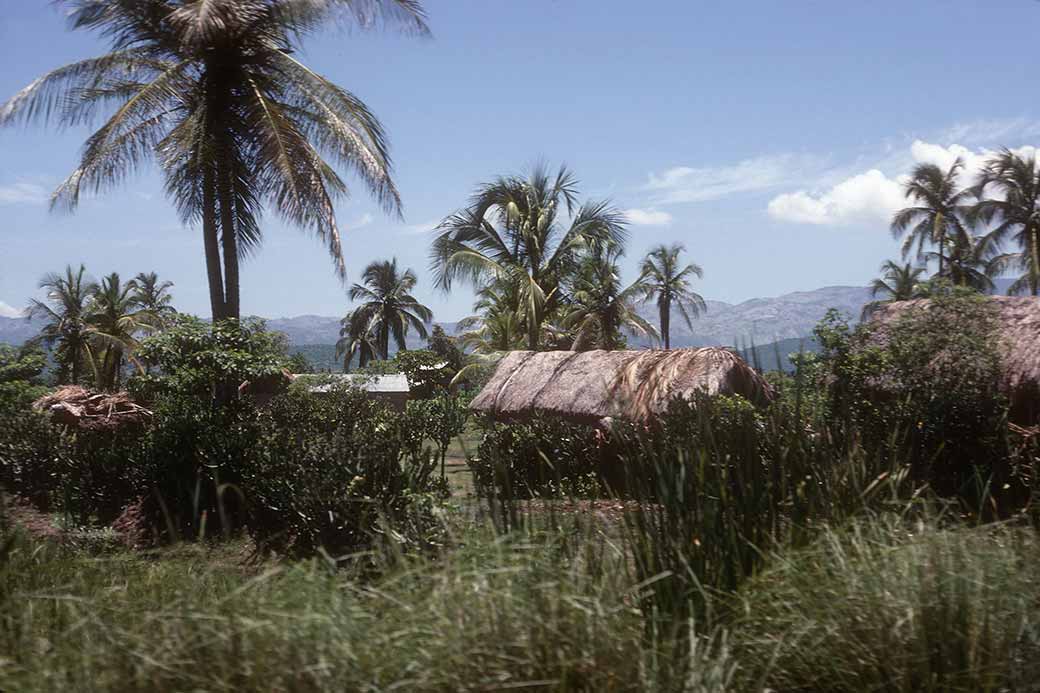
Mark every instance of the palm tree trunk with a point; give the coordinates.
(666, 318)
(229, 243)
(212, 246)
(384, 340)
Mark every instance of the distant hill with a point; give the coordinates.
(758, 320)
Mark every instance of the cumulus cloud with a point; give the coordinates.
(7, 311)
(22, 193)
(688, 184)
(647, 217)
(873, 196)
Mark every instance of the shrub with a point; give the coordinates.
(545, 458)
(330, 473)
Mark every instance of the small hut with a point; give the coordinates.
(1018, 321)
(594, 387)
(392, 389)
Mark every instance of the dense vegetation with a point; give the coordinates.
(874, 526)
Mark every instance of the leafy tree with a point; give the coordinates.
(154, 297)
(65, 310)
(897, 283)
(1015, 211)
(525, 232)
(445, 347)
(388, 310)
(215, 92)
(667, 280)
(114, 319)
(937, 216)
(21, 371)
(602, 306)
(200, 359)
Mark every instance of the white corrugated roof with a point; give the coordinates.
(394, 382)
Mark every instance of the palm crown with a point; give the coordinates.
(388, 309)
(527, 232)
(1014, 212)
(668, 280)
(213, 90)
(602, 306)
(65, 312)
(937, 216)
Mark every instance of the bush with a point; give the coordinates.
(543, 458)
(330, 473)
(926, 384)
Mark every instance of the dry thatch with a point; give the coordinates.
(590, 386)
(77, 407)
(1018, 321)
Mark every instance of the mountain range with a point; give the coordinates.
(758, 320)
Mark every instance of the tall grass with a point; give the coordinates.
(882, 606)
(496, 615)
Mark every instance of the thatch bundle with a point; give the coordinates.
(1018, 321)
(78, 407)
(591, 386)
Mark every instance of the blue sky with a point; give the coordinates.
(768, 137)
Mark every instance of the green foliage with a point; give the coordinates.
(542, 458)
(886, 606)
(196, 357)
(329, 473)
(428, 374)
(440, 419)
(928, 382)
(21, 371)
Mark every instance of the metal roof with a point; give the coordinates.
(395, 382)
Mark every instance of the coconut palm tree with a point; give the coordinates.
(65, 311)
(667, 280)
(1015, 211)
(215, 92)
(897, 283)
(496, 326)
(388, 308)
(602, 306)
(937, 216)
(115, 317)
(528, 232)
(154, 297)
(356, 339)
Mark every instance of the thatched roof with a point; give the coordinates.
(1018, 321)
(78, 407)
(589, 386)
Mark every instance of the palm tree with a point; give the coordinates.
(602, 307)
(215, 92)
(897, 283)
(1016, 212)
(669, 282)
(496, 326)
(114, 319)
(388, 308)
(528, 232)
(154, 297)
(65, 310)
(937, 217)
(356, 339)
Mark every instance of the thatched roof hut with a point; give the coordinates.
(77, 407)
(1018, 321)
(590, 386)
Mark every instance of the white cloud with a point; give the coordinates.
(22, 193)
(870, 196)
(873, 196)
(688, 184)
(425, 227)
(7, 311)
(647, 217)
